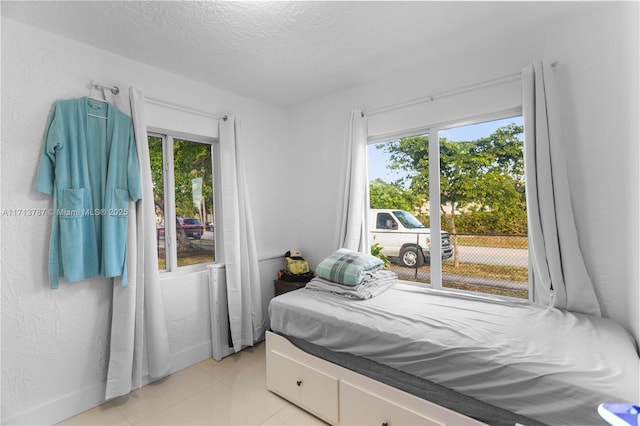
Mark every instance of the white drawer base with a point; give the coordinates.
(342, 397)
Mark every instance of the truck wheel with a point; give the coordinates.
(411, 257)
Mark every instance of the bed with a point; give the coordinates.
(414, 355)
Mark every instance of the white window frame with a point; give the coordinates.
(168, 174)
(434, 185)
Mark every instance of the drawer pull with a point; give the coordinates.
(299, 383)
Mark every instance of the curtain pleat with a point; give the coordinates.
(559, 275)
(244, 294)
(139, 338)
(353, 226)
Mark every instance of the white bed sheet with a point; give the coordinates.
(547, 364)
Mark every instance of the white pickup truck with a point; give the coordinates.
(402, 236)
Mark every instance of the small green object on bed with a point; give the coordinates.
(347, 266)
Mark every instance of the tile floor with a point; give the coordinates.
(231, 391)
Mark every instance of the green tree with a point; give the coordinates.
(383, 195)
(485, 175)
(155, 157)
(191, 160)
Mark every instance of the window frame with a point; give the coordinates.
(434, 189)
(171, 256)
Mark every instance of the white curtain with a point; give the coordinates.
(139, 339)
(558, 271)
(244, 294)
(353, 226)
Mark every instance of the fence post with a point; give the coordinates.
(418, 254)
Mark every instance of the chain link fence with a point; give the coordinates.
(487, 263)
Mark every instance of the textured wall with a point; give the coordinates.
(54, 343)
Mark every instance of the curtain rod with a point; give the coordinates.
(182, 108)
(447, 93)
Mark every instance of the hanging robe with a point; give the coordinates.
(89, 165)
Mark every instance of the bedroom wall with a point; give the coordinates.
(54, 343)
(597, 72)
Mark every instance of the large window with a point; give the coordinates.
(183, 190)
(479, 198)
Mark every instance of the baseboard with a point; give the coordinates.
(191, 356)
(60, 408)
(75, 403)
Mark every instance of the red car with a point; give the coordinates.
(191, 226)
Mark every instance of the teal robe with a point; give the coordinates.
(89, 165)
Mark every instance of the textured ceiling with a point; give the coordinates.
(283, 53)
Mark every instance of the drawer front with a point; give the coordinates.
(360, 407)
(303, 385)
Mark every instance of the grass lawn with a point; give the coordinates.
(194, 257)
(503, 241)
(522, 294)
(512, 273)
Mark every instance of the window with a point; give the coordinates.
(385, 221)
(478, 200)
(182, 170)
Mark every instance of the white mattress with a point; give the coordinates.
(550, 365)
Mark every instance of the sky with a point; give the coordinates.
(378, 159)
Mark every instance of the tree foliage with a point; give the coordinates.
(481, 181)
(383, 195)
(376, 250)
(191, 160)
(155, 158)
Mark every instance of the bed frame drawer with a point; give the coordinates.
(344, 397)
(307, 387)
(379, 410)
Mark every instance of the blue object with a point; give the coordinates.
(619, 413)
(89, 165)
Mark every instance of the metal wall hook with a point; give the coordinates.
(95, 85)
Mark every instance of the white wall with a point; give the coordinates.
(54, 343)
(598, 76)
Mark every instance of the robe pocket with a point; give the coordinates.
(73, 204)
(78, 243)
(119, 204)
